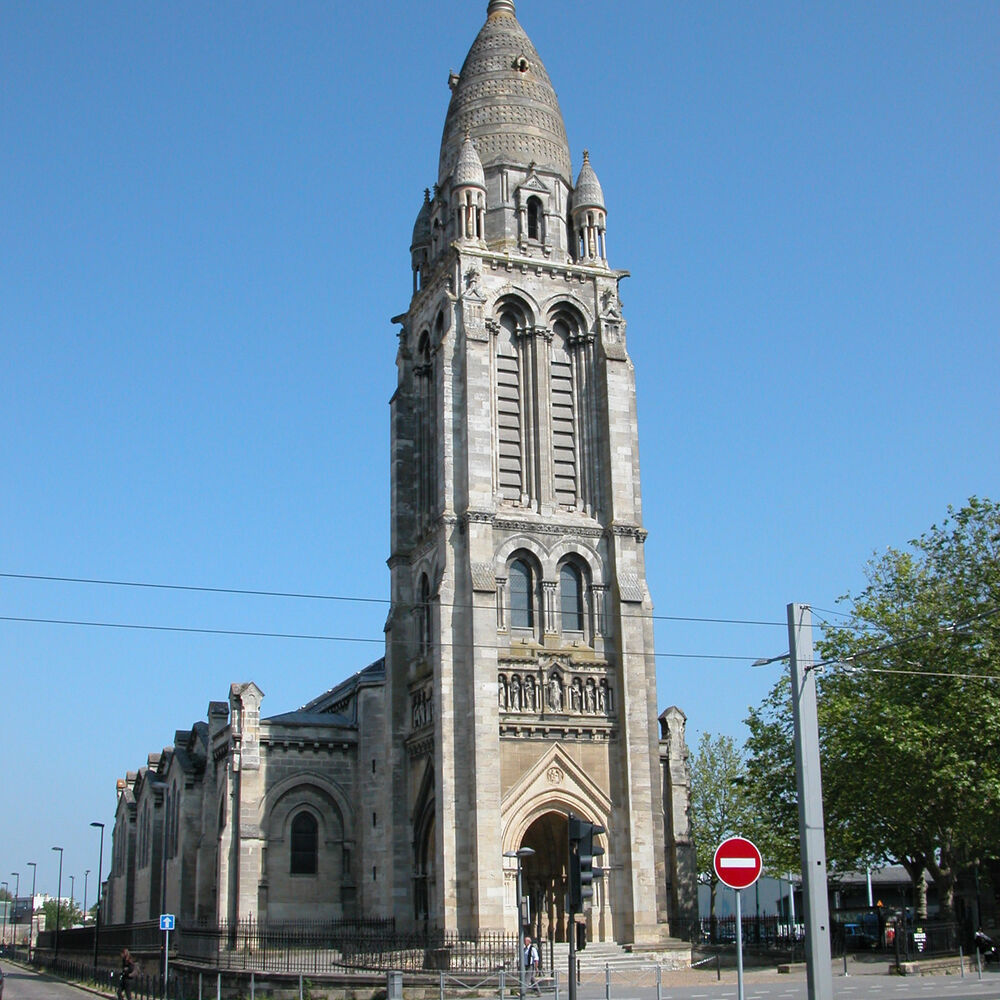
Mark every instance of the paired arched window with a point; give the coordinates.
(571, 598)
(522, 595)
(304, 845)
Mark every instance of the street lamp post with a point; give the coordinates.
(97, 926)
(524, 852)
(58, 898)
(17, 892)
(33, 865)
(72, 890)
(6, 905)
(86, 877)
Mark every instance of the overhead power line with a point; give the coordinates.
(296, 635)
(296, 595)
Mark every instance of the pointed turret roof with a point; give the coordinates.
(588, 193)
(469, 169)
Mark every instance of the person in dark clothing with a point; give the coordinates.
(125, 980)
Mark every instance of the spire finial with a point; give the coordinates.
(500, 7)
(586, 156)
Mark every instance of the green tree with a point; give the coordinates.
(909, 708)
(719, 806)
(69, 914)
(770, 780)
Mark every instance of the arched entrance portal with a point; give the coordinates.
(544, 876)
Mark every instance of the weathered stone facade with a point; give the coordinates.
(519, 680)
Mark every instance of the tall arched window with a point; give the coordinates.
(571, 598)
(509, 464)
(565, 439)
(522, 597)
(426, 413)
(305, 844)
(424, 613)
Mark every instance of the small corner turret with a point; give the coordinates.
(590, 217)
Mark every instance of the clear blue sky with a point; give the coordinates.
(206, 212)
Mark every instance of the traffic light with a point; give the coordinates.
(582, 854)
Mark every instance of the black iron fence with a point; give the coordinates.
(905, 939)
(305, 947)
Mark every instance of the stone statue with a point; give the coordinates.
(555, 694)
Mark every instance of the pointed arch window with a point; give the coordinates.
(571, 598)
(305, 844)
(522, 597)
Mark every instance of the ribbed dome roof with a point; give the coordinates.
(504, 100)
(469, 169)
(588, 193)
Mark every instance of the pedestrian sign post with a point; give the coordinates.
(166, 925)
(738, 864)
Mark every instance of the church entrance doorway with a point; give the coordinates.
(544, 876)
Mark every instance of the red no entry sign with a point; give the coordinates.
(737, 863)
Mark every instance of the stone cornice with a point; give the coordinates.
(311, 745)
(570, 270)
(571, 733)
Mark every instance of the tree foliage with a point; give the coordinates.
(909, 707)
(719, 806)
(69, 914)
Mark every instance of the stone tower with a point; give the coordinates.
(520, 674)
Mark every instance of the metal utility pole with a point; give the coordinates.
(97, 923)
(812, 840)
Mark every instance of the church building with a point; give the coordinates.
(518, 684)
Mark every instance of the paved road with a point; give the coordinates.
(20, 984)
(793, 987)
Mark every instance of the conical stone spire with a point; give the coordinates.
(503, 97)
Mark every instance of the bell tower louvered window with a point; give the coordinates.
(510, 465)
(565, 450)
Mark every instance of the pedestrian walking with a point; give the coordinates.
(124, 990)
(531, 965)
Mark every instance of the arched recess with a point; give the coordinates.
(534, 812)
(425, 909)
(326, 892)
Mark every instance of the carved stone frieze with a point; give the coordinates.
(551, 687)
(548, 527)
